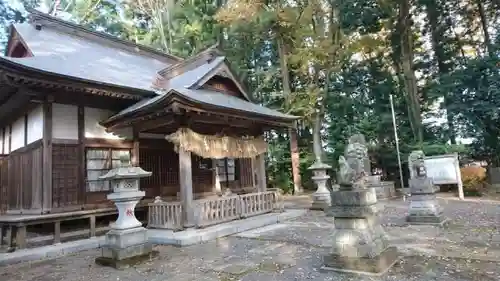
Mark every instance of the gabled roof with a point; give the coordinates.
(195, 71)
(185, 79)
(69, 51)
(205, 98)
(58, 50)
(39, 18)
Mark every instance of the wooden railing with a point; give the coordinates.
(166, 215)
(210, 211)
(217, 210)
(223, 209)
(253, 204)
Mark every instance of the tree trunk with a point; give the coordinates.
(220, 29)
(410, 81)
(295, 155)
(437, 38)
(317, 146)
(294, 147)
(484, 26)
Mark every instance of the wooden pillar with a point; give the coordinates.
(47, 156)
(261, 173)
(255, 182)
(217, 188)
(10, 139)
(57, 232)
(3, 141)
(81, 156)
(186, 183)
(25, 129)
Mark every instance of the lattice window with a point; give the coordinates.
(226, 168)
(98, 162)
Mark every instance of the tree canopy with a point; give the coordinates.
(335, 63)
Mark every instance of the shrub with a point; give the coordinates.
(473, 179)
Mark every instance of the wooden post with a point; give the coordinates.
(25, 129)
(92, 226)
(2, 233)
(186, 183)
(10, 139)
(47, 155)
(261, 172)
(3, 141)
(21, 237)
(57, 232)
(82, 186)
(253, 162)
(217, 187)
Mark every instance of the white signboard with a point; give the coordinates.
(444, 169)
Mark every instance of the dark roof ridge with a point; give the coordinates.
(36, 16)
(202, 57)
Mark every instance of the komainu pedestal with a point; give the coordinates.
(424, 206)
(127, 241)
(360, 243)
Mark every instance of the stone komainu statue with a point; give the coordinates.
(352, 172)
(416, 164)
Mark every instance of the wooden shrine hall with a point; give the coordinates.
(73, 102)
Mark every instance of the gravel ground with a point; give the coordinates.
(467, 249)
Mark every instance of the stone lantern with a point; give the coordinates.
(127, 240)
(321, 198)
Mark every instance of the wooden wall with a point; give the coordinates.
(4, 184)
(66, 190)
(246, 173)
(60, 165)
(24, 179)
(159, 157)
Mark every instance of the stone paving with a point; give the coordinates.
(468, 248)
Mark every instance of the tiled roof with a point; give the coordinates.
(210, 98)
(65, 49)
(68, 55)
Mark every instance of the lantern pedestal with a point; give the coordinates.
(321, 198)
(127, 241)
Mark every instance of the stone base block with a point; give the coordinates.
(321, 201)
(430, 220)
(368, 266)
(424, 208)
(319, 206)
(124, 263)
(128, 252)
(117, 238)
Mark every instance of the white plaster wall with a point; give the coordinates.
(17, 134)
(93, 130)
(64, 121)
(7, 145)
(35, 124)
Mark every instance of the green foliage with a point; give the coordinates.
(344, 59)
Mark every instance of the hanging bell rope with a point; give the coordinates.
(217, 147)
